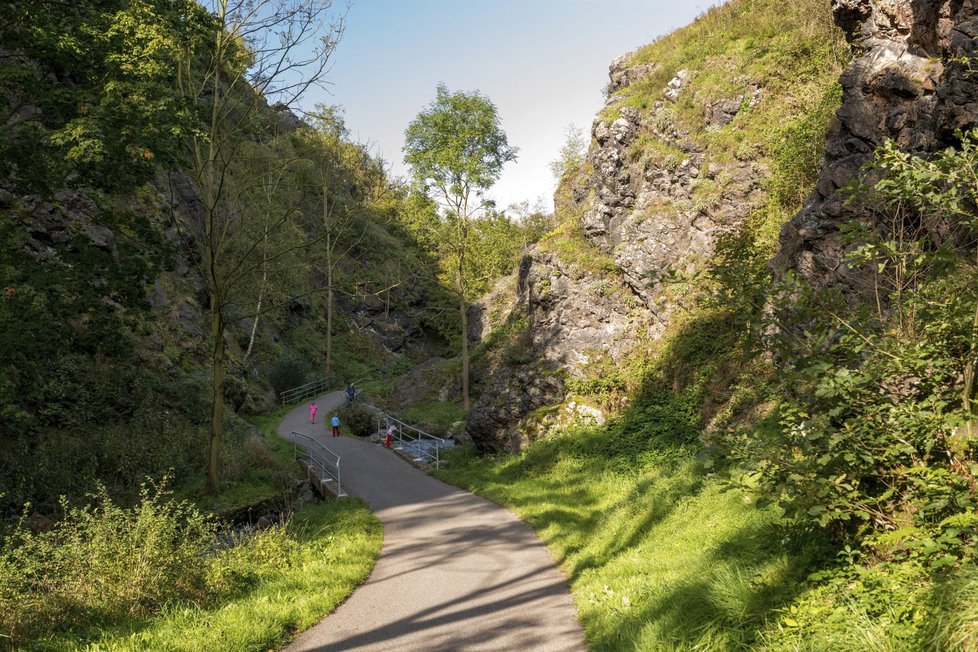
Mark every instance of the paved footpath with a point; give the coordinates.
(456, 572)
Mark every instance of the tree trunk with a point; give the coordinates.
(218, 371)
(970, 372)
(329, 316)
(261, 292)
(463, 313)
(254, 324)
(463, 310)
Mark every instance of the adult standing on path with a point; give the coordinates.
(456, 572)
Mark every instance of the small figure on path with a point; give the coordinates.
(312, 412)
(336, 425)
(351, 392)
(390, 433)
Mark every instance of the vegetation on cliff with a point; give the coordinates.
(787, 468)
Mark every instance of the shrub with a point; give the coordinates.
(103, 566)
(289, 371)
(358, 418)
(104, 563)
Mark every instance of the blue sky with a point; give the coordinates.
(543, 63)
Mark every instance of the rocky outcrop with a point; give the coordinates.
(655, 203)
(912, 81)
(658, 209)
(562, 320)
(621, 74)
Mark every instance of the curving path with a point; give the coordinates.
(456, 572)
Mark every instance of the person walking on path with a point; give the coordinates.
(312, 412)
(390, 433)
(336, 425)
(351, 393)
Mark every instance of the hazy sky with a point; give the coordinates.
(543, 63)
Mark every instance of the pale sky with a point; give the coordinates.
(543, 63)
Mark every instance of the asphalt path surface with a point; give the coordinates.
(456, 572)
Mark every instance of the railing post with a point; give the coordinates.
(339, 479)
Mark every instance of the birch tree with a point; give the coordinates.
(456, 149)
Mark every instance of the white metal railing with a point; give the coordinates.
(309, 389)
(321, 459)
(423, 447)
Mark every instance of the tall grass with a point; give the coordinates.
(164, 576)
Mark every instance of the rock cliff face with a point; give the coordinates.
(653, 204)
(913, 81)
(662, 213)
(562, 320)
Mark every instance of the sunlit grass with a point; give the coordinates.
(659, 557)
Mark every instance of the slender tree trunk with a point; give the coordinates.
(254, 324)
(329, 312)
(261, 297)
(212, 253)
(218, 370)
(463, 311)
(970, 371)
(329, 278)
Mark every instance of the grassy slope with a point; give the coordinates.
(658, 557)
(334, 546)
(329, 549)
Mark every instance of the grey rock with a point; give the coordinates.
(897, 88)
(622, 75)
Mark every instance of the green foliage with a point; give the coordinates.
(118, 116)
(357, 418)
(102, 563)
(435, 416)
(289, 371)
(457, 147)
(875, 435)
(571, 156)
(162, 577)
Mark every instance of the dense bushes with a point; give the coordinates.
(358, 418)
(103, 564)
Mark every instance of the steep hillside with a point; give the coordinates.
(710, 135)
(105, 309)
(772, 443)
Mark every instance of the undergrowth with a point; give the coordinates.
(163, 576)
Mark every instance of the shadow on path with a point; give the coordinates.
(456, 572)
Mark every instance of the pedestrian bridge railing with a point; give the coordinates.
(322, 461)
(420, 445)
(314, 388)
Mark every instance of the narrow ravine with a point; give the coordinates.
(456, 572)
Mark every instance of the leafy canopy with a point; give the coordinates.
(456, 146)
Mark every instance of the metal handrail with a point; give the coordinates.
(302, 391)
(420, 435)
(326, 460)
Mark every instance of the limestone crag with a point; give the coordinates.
(661, 213)
(655, 203)
(912, 81)
(571, 319)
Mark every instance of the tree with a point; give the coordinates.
(342, 179)
(572, 153)
(251, 52)
(456, 149)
